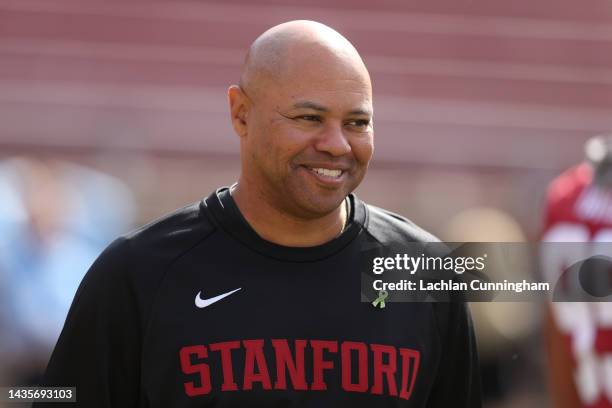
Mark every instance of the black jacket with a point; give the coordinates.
(150, 327)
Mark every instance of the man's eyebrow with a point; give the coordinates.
(310, 105)
(365, 112)
(321, 108)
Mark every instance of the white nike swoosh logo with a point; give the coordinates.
(202, 303)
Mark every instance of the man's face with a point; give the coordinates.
(310, 138)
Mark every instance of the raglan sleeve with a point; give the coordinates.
(98, 350)
(457, 383)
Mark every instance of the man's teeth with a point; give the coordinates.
(327, 172)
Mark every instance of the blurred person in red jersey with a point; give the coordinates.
(579, 334)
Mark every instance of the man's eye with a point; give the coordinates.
(361, 123)
(309, 118)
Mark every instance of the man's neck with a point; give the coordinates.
(279, 227)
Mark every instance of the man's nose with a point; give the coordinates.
(333, 141)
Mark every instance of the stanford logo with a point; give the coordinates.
(397, 367)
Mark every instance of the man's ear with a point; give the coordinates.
(239, 106)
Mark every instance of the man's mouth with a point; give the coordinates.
(333, 173)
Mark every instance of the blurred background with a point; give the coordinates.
(113, 113)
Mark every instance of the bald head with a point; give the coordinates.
(303, 107)
(289, 50)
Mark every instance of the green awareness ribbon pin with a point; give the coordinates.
(382, 295)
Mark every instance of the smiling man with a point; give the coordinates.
(251, 296)
(303, 112)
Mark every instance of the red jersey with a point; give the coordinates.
(579, 211)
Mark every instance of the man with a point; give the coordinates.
(579, 338)
(251, 296)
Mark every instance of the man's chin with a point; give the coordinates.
(312, 199)
(320, 205)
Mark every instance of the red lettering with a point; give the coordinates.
(285, 362)
(226, 363)
(291, 366)
(362, 367)
(254, 354)
(387, 369)
(409, 371)
(202, 369)
(320, 365)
